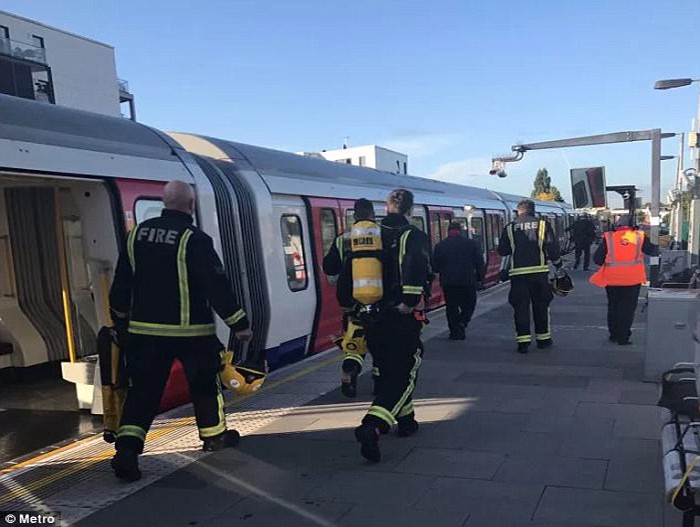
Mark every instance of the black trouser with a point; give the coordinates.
(460, 302)
(622, 303)
(527, 290)
(149, 360)
(396, 348)
(584, 248)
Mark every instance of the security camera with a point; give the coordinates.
(499, 173)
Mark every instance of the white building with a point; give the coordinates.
(372, 156)
(47, 64)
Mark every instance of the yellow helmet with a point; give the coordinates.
(240, 379)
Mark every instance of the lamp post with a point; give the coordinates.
(694, 219)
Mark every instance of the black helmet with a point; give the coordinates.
(562, 285)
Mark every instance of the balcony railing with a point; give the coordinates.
(123, 85)
(21, 50)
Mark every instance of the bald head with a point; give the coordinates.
(178, 195)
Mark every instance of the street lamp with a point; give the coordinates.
(694, 220)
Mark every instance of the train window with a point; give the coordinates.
(328, 229)
(444, 225)
(476, 232)
(435, 228)
(147, 208)
(294, 257)
(417, 221)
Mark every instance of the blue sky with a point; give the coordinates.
(448, 82)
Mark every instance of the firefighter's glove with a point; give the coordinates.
(241, 378)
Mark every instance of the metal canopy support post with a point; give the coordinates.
(655, 220)
(655, 136)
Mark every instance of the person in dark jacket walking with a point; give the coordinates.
(167, 281)
(583, 233)
(460, 264)
(530, 242)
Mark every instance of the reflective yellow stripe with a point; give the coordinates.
(523, 338)
(130, 248)
(220, 428)
(236, 317)
(411, 382)
(354, 356)
(412, 289)
(544, 336)
(542, 232)
(407, 409)
(402, 252)
(375, 371)
(171, 330)
(182, 279)
(339, 243)
(132, 431)
(529, 270)
(382, 413)
(511, 239)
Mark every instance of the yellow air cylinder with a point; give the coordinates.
(366, 243)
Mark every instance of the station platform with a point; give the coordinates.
(567, 437)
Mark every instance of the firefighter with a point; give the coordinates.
(530, 242)
(622, 272)
(353, 343)
(393, 326)
(166, 283)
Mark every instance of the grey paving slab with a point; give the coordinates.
(602, 508)
(353, 486)
(275, 512)
(635, 471)
(389, 514)
(594, 445)
(554, 470)
(454, 463)
(482, 498)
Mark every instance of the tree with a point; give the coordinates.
(543, 189)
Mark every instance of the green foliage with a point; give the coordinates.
(543, 189)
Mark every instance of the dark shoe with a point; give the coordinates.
(626, 342)
(348, 386)
(368, 437)
(547, 343)
(407, 427)
(454, 336)
(125, 464)
(228, 439)
(612, 339)
(523, 347)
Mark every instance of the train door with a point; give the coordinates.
(439, 220)
(326, 223)
(495, 221)
(292, 279)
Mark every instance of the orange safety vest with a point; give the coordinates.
(624, 263)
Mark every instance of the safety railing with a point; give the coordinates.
(22, 50)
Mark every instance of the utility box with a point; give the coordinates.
(671, 315)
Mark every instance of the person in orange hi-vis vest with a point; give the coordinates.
(622, 272)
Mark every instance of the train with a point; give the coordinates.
(73, 183)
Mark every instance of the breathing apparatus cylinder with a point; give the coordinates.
(366, 243)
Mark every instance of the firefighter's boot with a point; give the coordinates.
(228, 439)
(125, 464)
(368, 436)
(348, 386)
(407, 426)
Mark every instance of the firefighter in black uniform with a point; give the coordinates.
(338, 263)
(393, 330)
(166, 283)
(530, 242)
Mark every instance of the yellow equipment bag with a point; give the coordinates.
(240, 379)
(366, 244)
(354, 341)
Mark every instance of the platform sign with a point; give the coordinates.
(588, 187)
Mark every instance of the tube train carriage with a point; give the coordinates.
(73, 183)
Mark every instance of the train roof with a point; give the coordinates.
(31, 133)
(288, 173)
